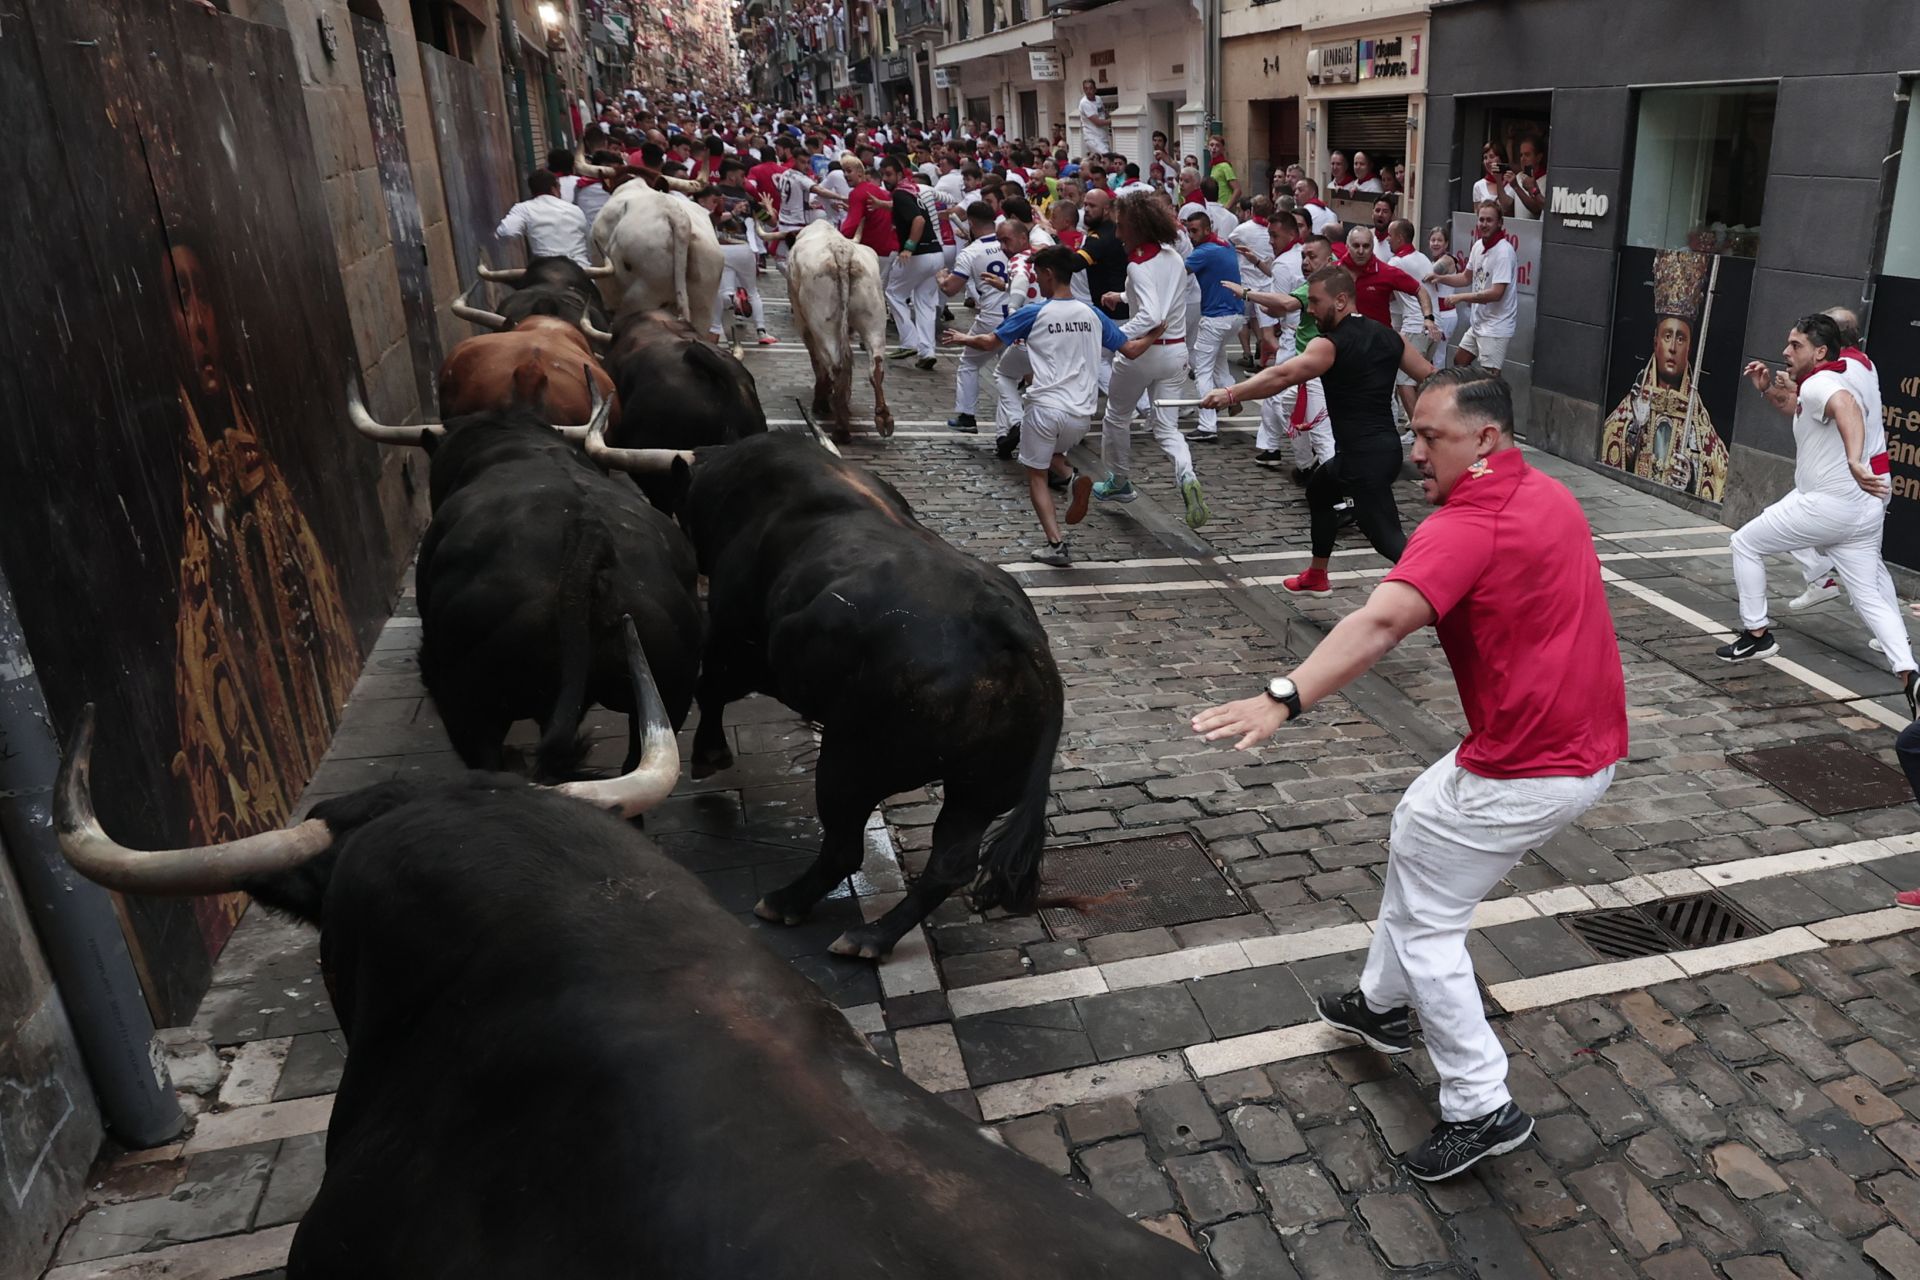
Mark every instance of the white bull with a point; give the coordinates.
(663, 253)
(834, 287)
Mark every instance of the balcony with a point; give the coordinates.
(1074, 6)
(917, 16)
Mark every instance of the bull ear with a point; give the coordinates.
(679, 484)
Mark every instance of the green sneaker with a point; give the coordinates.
(1114, 490)
(1197, 513)
(900, 353)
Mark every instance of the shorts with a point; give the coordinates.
(1425, 346)
(1045, 432)
(1259, 316)
(1488, 353)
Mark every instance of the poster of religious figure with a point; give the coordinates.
(1673, 371)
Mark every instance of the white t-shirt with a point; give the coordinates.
(553, 228)
(1095, 137)
(1322, 217)
(984, 259)
(1819, 454)
(1520, 209)
(1371, 186)
(1064, 337)
(794, 187)
(1258, 242)
(1865, 385)
(1490, 267)
(1484, 191)
(1288, 274)
(1406, 306)
(1157, 291)
(1223, 219)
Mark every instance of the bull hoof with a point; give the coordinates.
(822, 408)
(767, 910)
(885, 425)
(708, 763)
(861, 944)
(840, 435)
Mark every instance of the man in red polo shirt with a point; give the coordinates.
(1375, 282)
(1506, 574)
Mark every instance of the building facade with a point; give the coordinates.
(1699, 194)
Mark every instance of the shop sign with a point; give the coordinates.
(1044, 64)
(943, 77)
(1895, 344)
(1395, 58)
(1578, 208)
(1331, 63)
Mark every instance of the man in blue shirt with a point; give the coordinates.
(1064, 337)
(1215, 265)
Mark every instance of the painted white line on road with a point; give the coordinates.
(244, 1125)
(1683, 531)
(216, 1259)
(1081, 1084)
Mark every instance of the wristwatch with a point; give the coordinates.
(1282, 691)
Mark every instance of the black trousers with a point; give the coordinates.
(1367, 477)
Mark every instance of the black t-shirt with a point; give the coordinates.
(906, 207)
(1107, 264)
(1359, 386)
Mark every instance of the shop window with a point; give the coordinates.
(1700, 169)
(1903, 229)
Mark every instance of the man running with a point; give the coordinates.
(1837, 506)
(1222, 314)
(1355, 359)
(1156, 304)
(1492, 279)
(982, 259)
(1504, 570)
(1063, 338)
(1864, 382)
(1299, 412)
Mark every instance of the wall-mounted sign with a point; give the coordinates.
(1100, 58)
(1394, 57)
(1331, 63)
(1579, 208)
(943, 77)
(1044, 64)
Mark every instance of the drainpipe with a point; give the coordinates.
(73, 916)
(1211, 89)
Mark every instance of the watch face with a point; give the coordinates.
(1281, 687)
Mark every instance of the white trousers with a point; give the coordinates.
(966, 377)
(737, 272)
(1844, 532)
(1455, 835)
(1106, 369)
(1311, 436)
(1014, 365)
(1210, 349)
(913, 295)
(1160, 371)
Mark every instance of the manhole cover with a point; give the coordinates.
(1673, 924)
(1122, 885)
(1828, 777)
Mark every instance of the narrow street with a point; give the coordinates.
(1730, 1090)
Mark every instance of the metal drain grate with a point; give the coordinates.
(1673, 924)
(1122, 885)
(1828, 777)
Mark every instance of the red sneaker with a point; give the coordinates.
(741, 306)
(1908, 898)
(1310, 582)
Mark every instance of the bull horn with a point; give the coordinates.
(474, 315)
(652, 779)
(600, 272)
(218, 868)
(637, 461)
(504, 275)
(583, 169)
(379, 431)
(600, 336)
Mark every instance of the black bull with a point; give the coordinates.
(533, 558)
(566, 1059)
(687, 393)
(554, 286)
(920, 663)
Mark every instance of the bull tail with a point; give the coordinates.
(1010, 864)
(681, 235)
(558, 755)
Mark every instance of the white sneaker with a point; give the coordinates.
(1819, 593)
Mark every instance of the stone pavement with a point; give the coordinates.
(1749, 1110)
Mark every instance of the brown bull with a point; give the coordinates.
(542, 364)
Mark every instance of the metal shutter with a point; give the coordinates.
(1370, 125)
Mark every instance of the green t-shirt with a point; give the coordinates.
(1309, 327)
(1222, 173)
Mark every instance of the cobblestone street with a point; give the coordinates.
(1747, 1109)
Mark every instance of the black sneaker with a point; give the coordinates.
(1746, 647)
(1912, 690)
(1388, 1032)
(924, 363)
(1058, 483)
(1004, 447)
(963, 422)
(1205, 437)
(1300, 477)
(1455, 1146)
(1269, 458)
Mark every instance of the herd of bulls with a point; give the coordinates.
(565, 1058)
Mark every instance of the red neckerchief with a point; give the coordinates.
(1825, 366)
(1494, 239)
(1316, 204)
(1259, 221)
(1145, 253)
(1401, 253)
(1855, 353)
